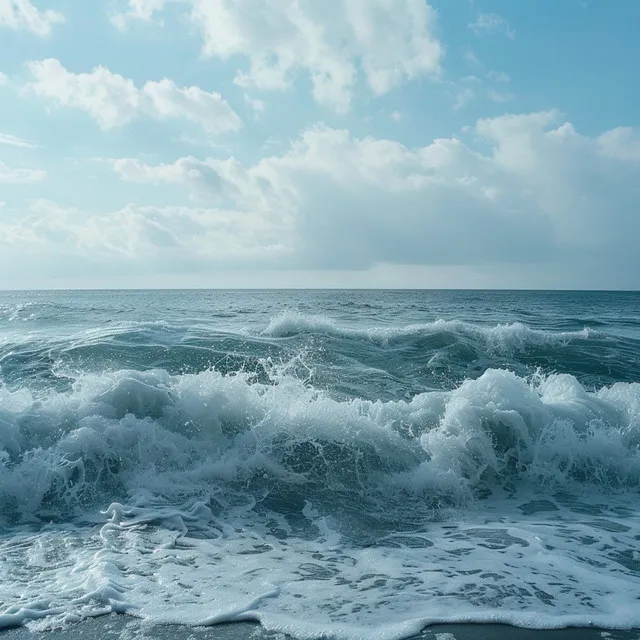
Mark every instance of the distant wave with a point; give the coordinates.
(502, 336)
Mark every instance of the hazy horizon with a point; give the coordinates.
(260, 289)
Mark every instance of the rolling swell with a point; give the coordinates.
(443, 353)
(503, 337)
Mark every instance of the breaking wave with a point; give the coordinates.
(177, 436)
(505, 337)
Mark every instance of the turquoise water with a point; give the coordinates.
(355, 463)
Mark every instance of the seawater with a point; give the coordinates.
(345, 464)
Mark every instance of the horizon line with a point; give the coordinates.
(400, 289)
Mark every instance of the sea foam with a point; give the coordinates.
(130, 431)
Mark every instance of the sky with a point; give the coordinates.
(298, 143)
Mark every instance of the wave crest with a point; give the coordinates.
(151, 433)
(505, 337)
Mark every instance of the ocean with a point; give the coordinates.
(329, 464)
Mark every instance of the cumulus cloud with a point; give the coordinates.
(622, 143)
(390, 41)
(21, 14)
(520, 189)
(487, 22)
(143, 235)
(187, 170)
(139, 10)
(11, 175)
(588, 196)
(113, 100)
(542, 192)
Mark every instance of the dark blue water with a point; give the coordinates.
(321, 461)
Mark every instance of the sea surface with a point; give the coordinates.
(330, 464)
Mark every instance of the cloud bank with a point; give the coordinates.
(540, 192)
(307, 185)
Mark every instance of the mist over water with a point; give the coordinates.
(349, 463)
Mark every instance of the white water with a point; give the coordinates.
(190, 462)
(490, 565)
(151, 431)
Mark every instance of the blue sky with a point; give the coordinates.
(286, 143)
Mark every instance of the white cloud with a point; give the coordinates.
(396, 115)
(12, 175)
(113, 100)
(186, 170)
(209, 110)
(542, 193)
(500, 96)
(21, 14)
(622, 143)
(258, 106)
(189, 236)
(138, 10)
(486, 22)
(14, 141)
(534, 191)
(218, 181)
(588, 197)
(391, 41)
(3, 79)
